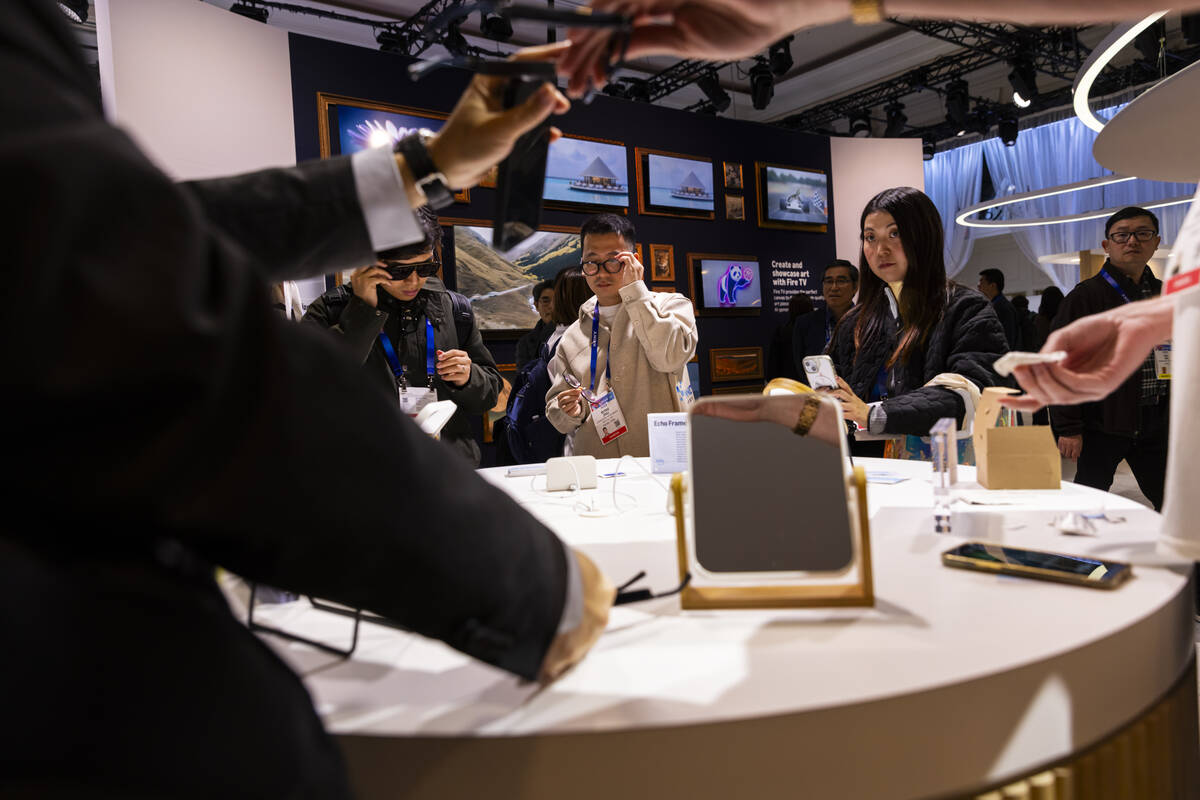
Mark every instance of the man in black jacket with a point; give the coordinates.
(166, 411)
(1132, 422)
(814, 331)
(991, 284)
(529, 345)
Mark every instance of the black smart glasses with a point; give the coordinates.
(399, 272)
(1142, 234)
(612, 265)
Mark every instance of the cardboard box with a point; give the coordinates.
(1022, 457)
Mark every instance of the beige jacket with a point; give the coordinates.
(653, 336)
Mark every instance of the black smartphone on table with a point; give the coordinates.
(1039, 564)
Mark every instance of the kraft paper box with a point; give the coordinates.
(1022, 457)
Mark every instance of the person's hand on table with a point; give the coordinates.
(853, 408)
(364, 283)
(1102, 351)
(480, 133)
(454, 367)
(717, 30)
(570, 647)
(1070, 446)
(571, 402)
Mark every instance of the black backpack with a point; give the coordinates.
(531, 437)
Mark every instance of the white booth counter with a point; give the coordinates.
(954, 684)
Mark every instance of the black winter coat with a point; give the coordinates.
(966, 340)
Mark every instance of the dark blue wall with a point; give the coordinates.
(322, 66)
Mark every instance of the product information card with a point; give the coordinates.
(668, 442)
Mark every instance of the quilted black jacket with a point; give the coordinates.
(966, 340)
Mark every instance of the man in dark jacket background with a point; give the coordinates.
(529, 345)
(1130, 424)
(991, 284)
(814, 331)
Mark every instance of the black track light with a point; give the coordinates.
(958, 102)
(897, 120)
(710, 84)
(780, 56)
(256, 13)
(1023, 78)
(1007, 128)
(496, 27)
(390, 41)
(860, 125)
(928, 148)
(76, 10)
(455, 42)
(762, 84)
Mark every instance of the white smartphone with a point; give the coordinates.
(820, 372)
(1004, 364)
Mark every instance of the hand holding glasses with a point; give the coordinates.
(574, 383)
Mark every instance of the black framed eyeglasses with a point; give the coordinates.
(839, 280)
(399, 271)
(1142, 234)
(611, 265)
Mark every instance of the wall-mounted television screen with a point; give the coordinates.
(792, 197)
(674, 185)
(725, 283)
(587, 173)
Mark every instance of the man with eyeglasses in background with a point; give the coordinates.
(627, 353)
(813, 331)
(417, 339)
(1132, 422)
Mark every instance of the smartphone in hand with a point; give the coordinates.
(820, 372)
(522, 176)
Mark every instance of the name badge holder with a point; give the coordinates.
(605, 410)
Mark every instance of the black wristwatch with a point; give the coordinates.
(431, 182)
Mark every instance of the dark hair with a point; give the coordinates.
(608, 223)
(1128, 212)
(570, 292)
(1021, 302)
(995, 276)
(427, 219)
(841, 262)
(923, 298)
(541, 287)
(799, 304)
(1051, 299)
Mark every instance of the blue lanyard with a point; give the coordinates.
(430, 359)
(1112, 282)
(596, 348)
(828, 327)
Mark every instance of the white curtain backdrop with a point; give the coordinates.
(952, 181)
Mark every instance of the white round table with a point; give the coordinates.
(954, 683)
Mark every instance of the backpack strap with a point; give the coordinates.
(336, 300)
(464, 316)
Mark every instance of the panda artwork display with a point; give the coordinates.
(735, 279)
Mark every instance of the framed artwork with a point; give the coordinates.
(733, 176)
(735, 207)
(662, 262)
(500, 286)
(674, 185)
(347, 125)
(488, 181)
(587, 174)
(792, 198)
(727, 364)
(663, 287)
(753, 388)
(727, 285)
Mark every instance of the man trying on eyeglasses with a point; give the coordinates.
(417, 339)
(1130, 424)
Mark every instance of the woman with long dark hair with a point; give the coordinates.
(902, 353)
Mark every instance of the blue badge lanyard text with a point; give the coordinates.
(1116, 286)
(401, 371)
(596, 349)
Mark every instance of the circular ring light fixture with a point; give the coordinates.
(1098, 60)
(1106, 180)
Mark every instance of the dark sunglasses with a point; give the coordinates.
(399, 272)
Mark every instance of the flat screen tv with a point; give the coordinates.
(793, 198)
(675, 185)
(587, 174)
(725, 284)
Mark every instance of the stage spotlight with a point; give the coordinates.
(762, 85)
(897, 120)
(256, 13)
(780, 56)
(637, 89)
(616, 89)
(710, 84)
(928, 148)
(496, 27)
(1007, 128)
(958, 102)
(455, 42)
(390, 42)
(76, 10)
(860, 125)
(1024, 82)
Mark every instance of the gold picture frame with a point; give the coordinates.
(735, 207)
(733, 175)
(727, 364)
(662, 262)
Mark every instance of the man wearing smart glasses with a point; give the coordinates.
(417, 339)
(625, 356)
